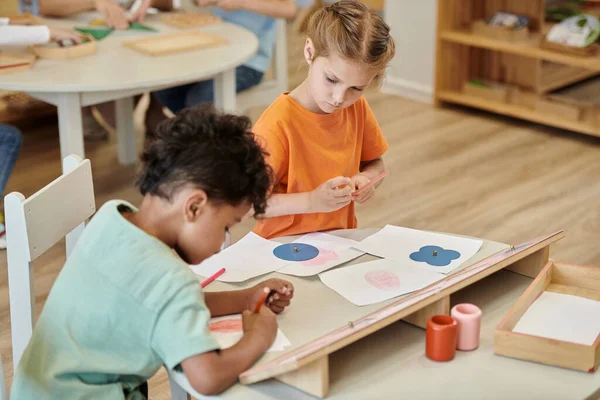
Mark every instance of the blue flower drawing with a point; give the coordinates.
(435, 255)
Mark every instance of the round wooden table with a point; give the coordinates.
(116, 72)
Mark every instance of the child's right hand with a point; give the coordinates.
(113, 13)
(262, 324)
(64, 34)
(330, 197)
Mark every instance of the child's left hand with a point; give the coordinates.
(357, 182)
(280, 297)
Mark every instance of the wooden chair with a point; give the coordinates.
(35, 224)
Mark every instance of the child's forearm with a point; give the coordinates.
(372, 169)
(212, 373)
(288, 204)
(272, 8)
(226, 303)
(65, 8)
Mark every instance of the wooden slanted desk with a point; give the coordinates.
(390, 363)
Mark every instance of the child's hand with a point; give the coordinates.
(330, 197)
(64, 34)
(113, 13)
(140, 13)
(359, 181)
(262, 324)
(281, 294)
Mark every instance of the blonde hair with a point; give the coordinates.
(353, 31)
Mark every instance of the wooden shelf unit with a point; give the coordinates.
(463, 56)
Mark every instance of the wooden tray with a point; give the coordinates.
(582, 281)
(190, 20)
(174, 43)
(14, 61)
(589, 51)
(53, 51)
(480, 27)
(494, 91)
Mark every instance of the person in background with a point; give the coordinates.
(14, 33)
(258, 16)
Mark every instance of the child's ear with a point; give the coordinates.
(195, 205)
(309, 51)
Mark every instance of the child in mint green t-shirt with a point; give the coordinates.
(125, 303)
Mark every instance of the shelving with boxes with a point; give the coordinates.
(511, 73)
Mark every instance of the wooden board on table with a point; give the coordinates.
(187, 20)
(350, 323)
(15, 61)
(175, 43)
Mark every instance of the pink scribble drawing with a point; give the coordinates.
(226, 326)
(383, 280)
(323, 258)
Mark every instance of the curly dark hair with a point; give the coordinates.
(216, 152)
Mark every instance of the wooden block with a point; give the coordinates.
(54, 51)
(190, 19)
(480, 27)
(583, 281)
(531, 265)
(312, 378)
(174, 43)
(15, 61)
(440, 307)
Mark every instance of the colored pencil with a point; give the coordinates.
(213, 277)
(371, 183)
(262, 299)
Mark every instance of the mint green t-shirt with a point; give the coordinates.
(123, 305)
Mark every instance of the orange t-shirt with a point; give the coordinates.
(307, 149)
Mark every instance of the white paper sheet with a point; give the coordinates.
(228, 331)
(396, 243)
(562, 317)
(333, 251)
(376, 281)
(250, 257)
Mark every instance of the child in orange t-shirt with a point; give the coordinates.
(323, 139)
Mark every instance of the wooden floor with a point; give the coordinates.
(451, 170)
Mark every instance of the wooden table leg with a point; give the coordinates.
(225, 91)
(70, 125)
(125, 131)
(419, 318)
(313, 378)
(533, 264)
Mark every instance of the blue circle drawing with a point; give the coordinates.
(435, 255)
(296, 252)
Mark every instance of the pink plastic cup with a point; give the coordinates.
(468, 317)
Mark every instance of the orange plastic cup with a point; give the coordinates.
(440, 339)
